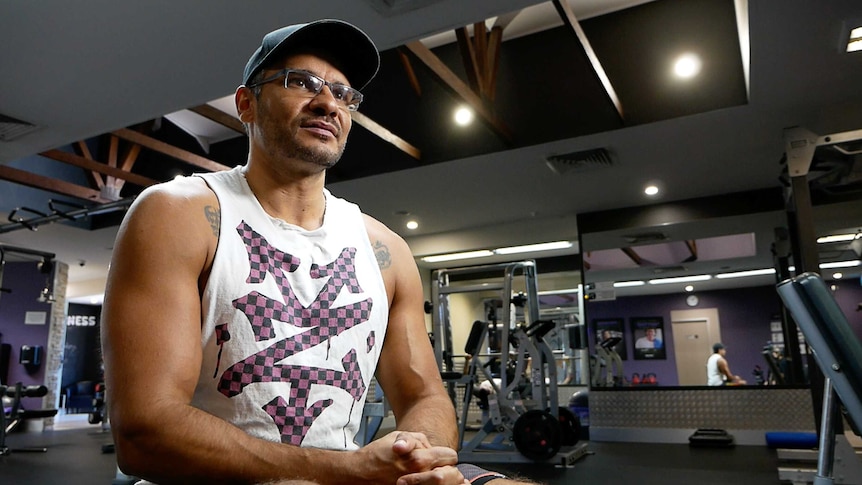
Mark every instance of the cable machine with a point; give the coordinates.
(510, 368)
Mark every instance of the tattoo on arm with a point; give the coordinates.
(381, 252)
(213, 215)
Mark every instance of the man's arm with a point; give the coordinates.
(151, 346)
(407, 370)
(724, 368)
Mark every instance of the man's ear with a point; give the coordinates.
(243, 98)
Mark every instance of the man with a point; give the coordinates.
(718, 371)
(649, 340)
(246, 310)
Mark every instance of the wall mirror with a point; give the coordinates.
(671, 280)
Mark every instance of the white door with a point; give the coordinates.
(694, 333)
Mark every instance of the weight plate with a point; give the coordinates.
(536, 435)
(570, 427)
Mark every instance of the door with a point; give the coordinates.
(694, 333)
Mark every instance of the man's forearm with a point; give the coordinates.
(435, 417)
(187, 445)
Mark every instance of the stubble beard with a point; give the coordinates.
(286, 139)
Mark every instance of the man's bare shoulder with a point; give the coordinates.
(388, 246)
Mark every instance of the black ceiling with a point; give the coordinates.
(546, 90)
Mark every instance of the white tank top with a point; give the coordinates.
(293, 321)
(714, 377)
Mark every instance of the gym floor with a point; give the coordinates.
(75, 457)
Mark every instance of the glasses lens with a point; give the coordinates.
(303, 80)
(346, 95)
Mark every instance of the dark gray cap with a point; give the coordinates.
(352, 51)
(716, 347)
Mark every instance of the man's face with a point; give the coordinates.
(292, 124)
(650, 334)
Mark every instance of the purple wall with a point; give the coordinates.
(745, 315)
(26, 282)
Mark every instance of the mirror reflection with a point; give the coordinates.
(663, 298)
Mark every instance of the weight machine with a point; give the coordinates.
(523, 421)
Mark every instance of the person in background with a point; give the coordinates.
(247, 311)
(718, 371)
(649, 340)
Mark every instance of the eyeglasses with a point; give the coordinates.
(309, 83)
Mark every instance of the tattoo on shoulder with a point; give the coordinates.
(213, 215)
(381, 252)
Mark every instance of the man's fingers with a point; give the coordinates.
(447, 475)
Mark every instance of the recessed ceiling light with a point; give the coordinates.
(837, 276)
(412, 225)
(463, 116)
(687, 66)
(689, 288)
(651, 190)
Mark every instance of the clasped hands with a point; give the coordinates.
(408, 458)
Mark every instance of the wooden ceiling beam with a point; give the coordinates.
(385, 134)
(170, 150)
(572, 23)
(83, 150)
(49, 184)
(633, 255)
(72, 159)
(468, 56)
(411, 74)
(456, 85)
(218, 116)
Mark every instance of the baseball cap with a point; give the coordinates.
(353, 52)
(717, 347)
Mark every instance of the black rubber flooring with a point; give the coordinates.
(75, 457)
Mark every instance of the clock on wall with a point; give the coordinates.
(691, 300)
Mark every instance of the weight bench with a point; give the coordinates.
(17, 414)
(838, 353)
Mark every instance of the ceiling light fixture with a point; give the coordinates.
(837, 238)
(743, 274)
(483, 253)
(837, 276)
(529, 248)
(687, 66)
(628, 284)
(412, 225)
(463, 116)
(651, 190)
(680, 279)
(839, 264)
(854, 43)
(689, 288)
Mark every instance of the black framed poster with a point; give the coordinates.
(648, 337)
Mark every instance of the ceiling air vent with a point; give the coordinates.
(395, 7)
(644, 238)
(10, 128)
(579, 161)
(669, 269)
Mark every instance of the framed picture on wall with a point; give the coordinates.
(609, 330)
(648, 338)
